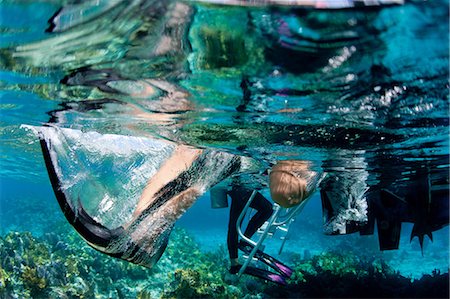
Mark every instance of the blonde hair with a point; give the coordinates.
(288, 182)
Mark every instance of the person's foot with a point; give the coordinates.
(244, 246)
(235, 269)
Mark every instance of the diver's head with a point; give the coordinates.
(289, 182)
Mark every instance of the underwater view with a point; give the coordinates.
(224, 149)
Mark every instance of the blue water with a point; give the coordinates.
(395, 131)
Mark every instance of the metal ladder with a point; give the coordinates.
(281, 220)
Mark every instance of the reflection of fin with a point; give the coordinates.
(266, 275)
(416, 232)
(91, 77)
(52, 24)
(268, 260)
(388, 233)
(70, 16)
(389, 228)
(422, 196)
(80, 106)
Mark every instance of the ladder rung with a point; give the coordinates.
(246, 257)
(284, 229)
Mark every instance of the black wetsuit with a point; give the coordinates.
(239, 197)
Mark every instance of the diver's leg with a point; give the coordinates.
(182, 158)
(237, 205)
(264, 211)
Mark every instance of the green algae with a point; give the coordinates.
(190, 283)
(53, 267)
(4, 280)
(59, 265)
(338, 264)
(32, 279)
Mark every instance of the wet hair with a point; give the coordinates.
(289, 182)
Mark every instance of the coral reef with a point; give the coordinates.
(339, 275)
(204, 275)
(53, 267)
(58, 265)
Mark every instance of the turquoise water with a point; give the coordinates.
(362, 95)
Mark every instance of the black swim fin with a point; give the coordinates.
(266, 275)
(94, 233)
(269, 260)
